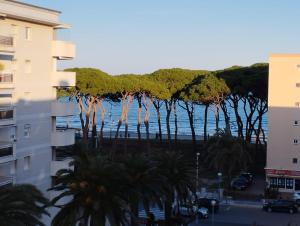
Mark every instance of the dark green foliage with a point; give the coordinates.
(102, 189)
(22, 205)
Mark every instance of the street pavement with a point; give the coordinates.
(249, 216)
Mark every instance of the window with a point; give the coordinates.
(6, 95)
(295, 141)
(14, 29)
(281, 182)
(295, 160)
(289, 183)
(297, 185)
(26, 163)
(27, 129)
(297, 85)
(27, 33)
(296, 123)
(273, 182)
(27, 66)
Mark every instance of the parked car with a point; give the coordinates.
(296, 197)
(239, 183)
(206, 202)
(188, 210)
(281, 206)
(247, 176)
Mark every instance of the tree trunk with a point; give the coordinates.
(94, 126)
(146, 121)
(191, 121)
(217, 118)
(157, 108)
(139, 117)
(235, 102)
(102, 109)
(226, 116)
(175, 121)
(168, 105)
(205, 121)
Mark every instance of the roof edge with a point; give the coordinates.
(34, 6)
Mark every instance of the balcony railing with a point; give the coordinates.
(7, 151)
(6, 41)
(63, 137)
(6, 114)
(6, 78)
(6, 181)
(59, 109)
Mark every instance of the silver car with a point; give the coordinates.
(190, 210)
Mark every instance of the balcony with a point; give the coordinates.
(6, 80)
(59, 109)
(63, 137)
(7, 116)
(6, 44)
(60, 164)
(63, 79)
(63, 50)
(6, 181)
(7, 151)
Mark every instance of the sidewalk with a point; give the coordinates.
(242, 203)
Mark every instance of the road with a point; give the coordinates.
(248, 216)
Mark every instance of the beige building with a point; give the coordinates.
(283, 153)
(31, 146)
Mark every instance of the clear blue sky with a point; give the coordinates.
(140, 36)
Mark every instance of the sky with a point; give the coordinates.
(140, 36)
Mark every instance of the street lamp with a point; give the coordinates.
(213, 203)
(197, 171)
(219, 181)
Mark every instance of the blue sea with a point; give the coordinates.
(113, 111)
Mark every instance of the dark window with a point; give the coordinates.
(273, 182)
(289, 183)
(6, 151)
(297, 185)
(281, 182)
(6, 114)
(295, 141)
(296, 123)
(5, 95)
(295, 160)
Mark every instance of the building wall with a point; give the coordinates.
(283, 152)
(33, 65)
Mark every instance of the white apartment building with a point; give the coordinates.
(29, 51)
(283, 151)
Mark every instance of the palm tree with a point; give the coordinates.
(227, 154)
(95, 190)
(143, 184)
(22, 205)
(178, 172)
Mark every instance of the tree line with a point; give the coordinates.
(239, 88)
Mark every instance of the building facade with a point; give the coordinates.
(30, 142)
(283, 151)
